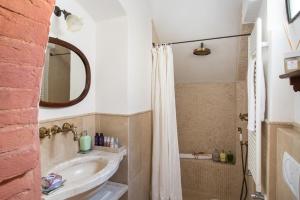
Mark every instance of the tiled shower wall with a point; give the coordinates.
(134, 131)
(208, 119)
(205, 115)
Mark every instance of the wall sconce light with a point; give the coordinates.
(74, 23)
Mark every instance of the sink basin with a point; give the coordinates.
(77, 171)
(84, 173)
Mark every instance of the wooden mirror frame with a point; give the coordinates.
(288, 12)
(87, 79)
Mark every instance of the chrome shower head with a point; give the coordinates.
(202, 51)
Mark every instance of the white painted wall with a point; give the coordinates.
(283, 102)
(179, 20)
(139, 55)
(119, 52)
(297, 108)
(124, 61)
(112, 66)
(85, 41)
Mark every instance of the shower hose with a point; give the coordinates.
(244, 190)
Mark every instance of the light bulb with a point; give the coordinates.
(74, 23)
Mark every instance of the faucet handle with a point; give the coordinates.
(55, 129)
(44, 132)
(67, 127)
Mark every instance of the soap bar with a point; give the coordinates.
(85, 143)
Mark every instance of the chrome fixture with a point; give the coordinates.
(74, 23)
(258, 196)
(243, 117)
(66, 127)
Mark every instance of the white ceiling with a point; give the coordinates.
(179, 20)
(103, 9)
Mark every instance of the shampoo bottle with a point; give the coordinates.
(216, 156)
(101, 139)
(223, 157)
(97, 137)
(230, 157)
(85, 142)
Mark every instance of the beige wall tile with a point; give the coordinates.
(62, 147)
(243, 56)
(212, 108)
(139, 154)
(134, 131)
(115, 126)
(288, 140)
(206, 115)
(208, 180)
(269, 148)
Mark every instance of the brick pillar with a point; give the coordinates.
(24, 28)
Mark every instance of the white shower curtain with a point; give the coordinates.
(166, 176)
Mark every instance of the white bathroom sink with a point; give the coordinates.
(85, 172)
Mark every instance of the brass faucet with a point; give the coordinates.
(44, 132)
(66, 127)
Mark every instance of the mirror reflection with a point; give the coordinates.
(64, 75)
(293, 7)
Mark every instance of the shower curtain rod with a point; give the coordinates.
(206, 39)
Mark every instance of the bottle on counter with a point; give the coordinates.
(101, 139)
(108, 141)
(116, 146)
(230, 157)
(112, 142)
(105, 141)
(223, 157)
(216, 156)
(85, 142)
(97, 137)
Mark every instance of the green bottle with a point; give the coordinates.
(85, 142)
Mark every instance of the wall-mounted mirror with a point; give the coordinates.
(293, 9)
(67, 76)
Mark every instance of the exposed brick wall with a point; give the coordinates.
(24, 28)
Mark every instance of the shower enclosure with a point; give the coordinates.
(208, 119)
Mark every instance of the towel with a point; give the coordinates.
(256, 95)
(251, 96)
(261, 92)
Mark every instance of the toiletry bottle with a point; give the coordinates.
(230, 157)
(223, 157)
(116, 143)
(108, 141)
(97, 139)
(112, 142)
(216, 156)
(105, 141)
(85, 142)
(101, 139)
